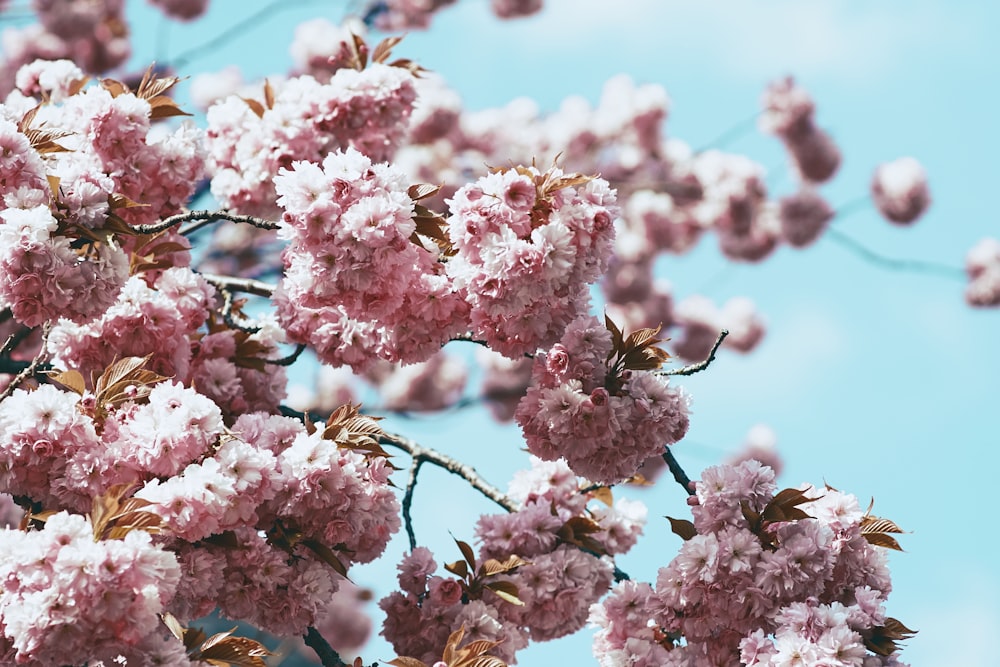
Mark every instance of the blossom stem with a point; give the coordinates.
(466, 472)
(32, 367)
(411, 483)
(701, 365)
(911, 265)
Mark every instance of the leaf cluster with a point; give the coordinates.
(474, 580)
(430, 224)
(350, 429)
(123, 381)
(113, 516)
(221, 649)
(882, 640)
(472, 654)
(154, 90)
(636, 352)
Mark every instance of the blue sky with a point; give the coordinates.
(880, 383)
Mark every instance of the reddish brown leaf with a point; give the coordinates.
(682, 528)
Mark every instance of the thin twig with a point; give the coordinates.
(701, 365)
(327, 656)
(675, 469)
(910, 265)
(200, 219)
(467, 472)
(32, 367)
(15, 339)
(234, 31)
(411, 483)
(853, 206)
(245, 285)
(227, 314)
(735, 132)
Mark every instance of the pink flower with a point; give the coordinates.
(900, 190)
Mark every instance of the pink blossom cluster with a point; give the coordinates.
(357, 286)
(700, 322)
(281, 494)
(508, 9)
(734, 204)
(93, 34)
(59, 257)
(900, 191)
(320, 47)
(249, 144)
(803, 216)
(788, 114)
(982, 263)
(602, 422)
(112, 147)
(527, 246)
(43, 276)
(182, 10)
(67, 594)
(399, 15)
(802, 591)
(435, 384)
(504, 383)
(145, 320)
(557, 585)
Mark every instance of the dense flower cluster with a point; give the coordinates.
(67, 594)
(357, 287)
(603, 421)
(304, 120)
(788, 114)
(559, 573)
(69, 169)
(527, 245)
(797, 589)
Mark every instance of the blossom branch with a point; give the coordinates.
(200, 219)
(701, 365)
(227, 314)
(14, 340)
(290, 359)
(911, 265)
(32, 367)
(235, 31)
(467, 472)
(677, 471)
(411, 483)
(327, 656)
(245, 285)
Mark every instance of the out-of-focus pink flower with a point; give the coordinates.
(900, 190)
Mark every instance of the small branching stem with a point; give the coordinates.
(701, 365)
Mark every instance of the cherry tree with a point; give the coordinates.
(161, 459)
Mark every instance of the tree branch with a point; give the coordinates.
(327, 656)
(411, 483)
(910, 265)
(31, 367)
(675, 469)
(201, 218)
(246, 285)
(701, 365)
(466, 472)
